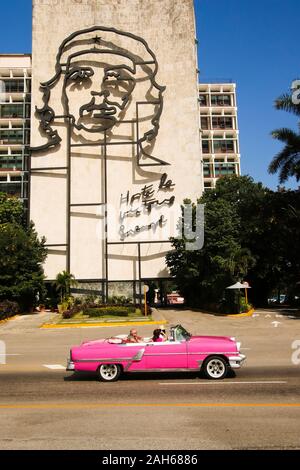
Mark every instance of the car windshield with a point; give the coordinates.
(181, 334)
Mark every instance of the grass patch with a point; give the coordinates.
(81, 317)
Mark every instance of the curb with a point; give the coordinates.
(242, 315)
(101, 325)
(8, 319)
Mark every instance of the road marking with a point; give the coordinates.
(42, 406)
(54, 366)
(279, 316)
(225, 383)
(276, 323)
(255, 315)
(10, 354)
(245, 349)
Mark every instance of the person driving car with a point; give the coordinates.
(133, 337)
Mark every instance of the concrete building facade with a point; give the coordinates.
(219, 132)
(15, 107)
(114, 135)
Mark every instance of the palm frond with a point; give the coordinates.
(287, 136)
(285, 103)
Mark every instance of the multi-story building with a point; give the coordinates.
(15, 93)
(219, 131)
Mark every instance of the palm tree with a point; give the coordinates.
(287, 161)
(63, 283)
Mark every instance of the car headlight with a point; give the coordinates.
(238, 345)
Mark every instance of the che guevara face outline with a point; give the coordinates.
(107, 112)
(110, 88)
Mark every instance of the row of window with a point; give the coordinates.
(222, 122)
(216, 100)
(13, 110)
(13, 189)
(14, 86)
(11, 162)
(13, 179)
(219, 169)
(218, 146)
(11, 137)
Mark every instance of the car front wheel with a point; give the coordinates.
(109, 372)
(215, 368)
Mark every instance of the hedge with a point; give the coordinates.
(8, 309)
(117, 311)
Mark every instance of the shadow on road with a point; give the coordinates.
(139, 376)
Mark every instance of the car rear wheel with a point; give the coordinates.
(109, 372)
(215, 368)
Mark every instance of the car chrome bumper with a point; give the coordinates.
(70, 366)
(237, 361)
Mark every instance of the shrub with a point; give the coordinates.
(67, 314)
(70, 312)
(244, 307)
(119, 300)
(8, 309)
(119, 311)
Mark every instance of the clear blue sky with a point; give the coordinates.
(253, 42)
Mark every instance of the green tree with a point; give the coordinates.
(203, 275)
(251, 233)
(21, 271)
(11, 210)
(63, 283)
(287, 161)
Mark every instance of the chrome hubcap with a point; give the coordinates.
(215, 368)
(108, 371)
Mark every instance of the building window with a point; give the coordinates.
(14, 86)
(11, 111)
(222, 122)
(220, 100)
(13, 189)
(203, 99)
(224, 169)
(205, 123)
(207, 170)
(11, 162)
(10, 137)
(223, 146)
(205, 146)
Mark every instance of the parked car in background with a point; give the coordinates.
(109, 358)
(175, 299)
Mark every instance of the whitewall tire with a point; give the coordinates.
(215, 368)
(109, 372)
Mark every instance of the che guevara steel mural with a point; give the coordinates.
(90, 60)
(104, 79)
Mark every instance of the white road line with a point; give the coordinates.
(10, 354)
(225, 383)
(246, 349)
(54, 366)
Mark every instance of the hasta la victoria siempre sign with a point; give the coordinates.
(108, 79)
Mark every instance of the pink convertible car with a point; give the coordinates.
(214, 355)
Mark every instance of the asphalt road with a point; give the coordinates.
(44, 407)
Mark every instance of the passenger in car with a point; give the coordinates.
(133, 337)
(157, 337)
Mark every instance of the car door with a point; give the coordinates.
(166, 355)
